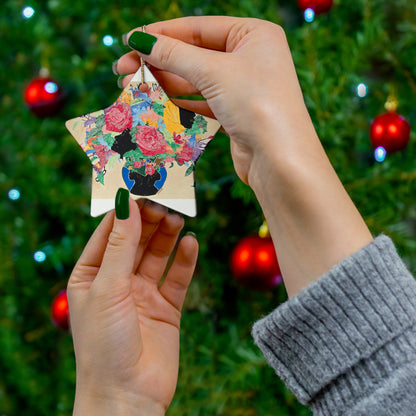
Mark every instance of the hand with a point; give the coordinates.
(252, 82)
(244, 70)
(124, 321)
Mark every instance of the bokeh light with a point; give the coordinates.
(28, 12)
(14, 194)
(309, 15)
(362, 90)
(39, 256)
(108, 40)
(380, 154)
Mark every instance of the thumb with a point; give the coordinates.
(190, 62)
(123, 240)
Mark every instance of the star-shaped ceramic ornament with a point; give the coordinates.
(145, 143)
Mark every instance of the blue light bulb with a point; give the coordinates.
(380, 154)
(39, 256)
(14, 194)
(108, 40)
(309, 15)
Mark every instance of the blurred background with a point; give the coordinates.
(351, 56)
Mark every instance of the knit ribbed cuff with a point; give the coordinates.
(352, 319)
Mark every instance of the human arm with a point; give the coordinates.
(314, 224)
(125, 323)
(244, 70)
(346, 344)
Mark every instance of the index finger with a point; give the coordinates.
(211, 32)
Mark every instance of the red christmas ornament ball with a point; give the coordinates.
(318, 6)
(44, 97)
(390, 131)
(60, 310)
(254, 263)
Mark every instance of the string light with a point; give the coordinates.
(28, 12)
(51, 87)
(39, 256)
(309, 15)
(14, 194)
(108, 40)
(380, 154)
(361, 90)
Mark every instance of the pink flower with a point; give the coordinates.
(103, 153)
(118, 117)
(150, 141)
(150, 170)
(137, 165)
(169, 159)
(185, 155)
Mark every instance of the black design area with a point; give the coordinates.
(144, 185)
(186, 117)
(123, 144)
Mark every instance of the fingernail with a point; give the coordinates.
(114, 68)
(124, 39)
(122, 204)
(120, 82)
(142, 42)
(191, 233)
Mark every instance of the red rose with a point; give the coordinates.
(118, 117)
(185, 155)
(150, 141)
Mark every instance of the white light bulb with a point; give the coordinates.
(51, 87)
(361, 90)
(28, 12)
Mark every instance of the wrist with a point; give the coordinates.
(115, 404)
(313, 222)
(282, 137)
(285, 152)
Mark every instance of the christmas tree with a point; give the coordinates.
(350, 60)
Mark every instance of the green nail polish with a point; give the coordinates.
(122, 204)
(142, 42)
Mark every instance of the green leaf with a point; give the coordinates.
(199, 126)
(135, 154)
(109, 139)
(158, 108)
(141, 170)
(112, 161)
(96, 131)
(100, 177)
(189, 170)
(100, 121)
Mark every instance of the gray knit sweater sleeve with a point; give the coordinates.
(346, 345)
